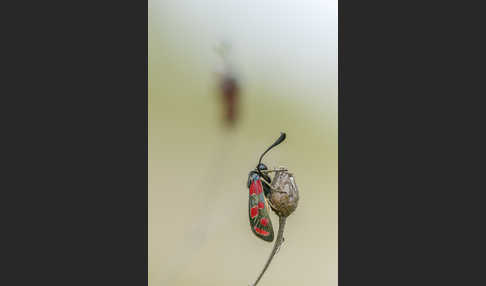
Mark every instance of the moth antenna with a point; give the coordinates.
(278, 141)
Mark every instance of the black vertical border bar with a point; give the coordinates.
(374, 155)
(76, 208)
(374, 160)
(411, 152)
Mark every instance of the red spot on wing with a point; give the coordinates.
(264, 221)
(253, 188)
(259, 187)
(254, 212)
(261, 205)
(261, 231)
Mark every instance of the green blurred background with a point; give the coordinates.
(285, 56)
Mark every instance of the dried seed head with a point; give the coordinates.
(284, 195)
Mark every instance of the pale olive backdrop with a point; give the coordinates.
(285, 54)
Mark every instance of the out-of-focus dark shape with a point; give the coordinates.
(228, 86)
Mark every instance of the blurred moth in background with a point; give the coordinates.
(228, 86)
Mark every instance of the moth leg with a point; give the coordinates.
(270, 204)
(274, 170)
(268, 183)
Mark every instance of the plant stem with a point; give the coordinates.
(278, 242)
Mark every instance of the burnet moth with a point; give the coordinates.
(259, 192)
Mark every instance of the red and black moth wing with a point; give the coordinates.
(260, 222)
